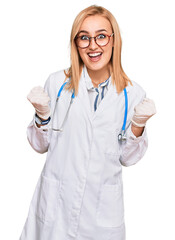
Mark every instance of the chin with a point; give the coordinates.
(96, 67)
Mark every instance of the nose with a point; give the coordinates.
(92, 44)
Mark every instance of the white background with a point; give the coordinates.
(34, 43)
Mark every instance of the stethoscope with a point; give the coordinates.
(71, 101)
(121, 136)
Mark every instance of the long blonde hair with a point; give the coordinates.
(118, 76)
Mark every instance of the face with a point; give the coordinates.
(96, 57)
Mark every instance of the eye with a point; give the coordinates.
(101, 36)
(84, 37)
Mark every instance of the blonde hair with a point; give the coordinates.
(118, 76)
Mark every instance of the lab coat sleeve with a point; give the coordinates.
(39, 138)
(134, 148)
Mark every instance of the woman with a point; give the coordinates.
(79, 194)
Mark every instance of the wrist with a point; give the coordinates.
(44, 115)
(136, 130)
(40, 121)
(138, 123)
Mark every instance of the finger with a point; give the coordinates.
(37, 89)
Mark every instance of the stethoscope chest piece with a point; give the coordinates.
(122, 137)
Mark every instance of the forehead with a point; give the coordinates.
(94, 23)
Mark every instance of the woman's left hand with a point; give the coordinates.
(142, 112)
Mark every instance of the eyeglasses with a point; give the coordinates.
(101, 40)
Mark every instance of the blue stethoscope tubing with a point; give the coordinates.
(121, 136)
(58, 96)
(61, 89)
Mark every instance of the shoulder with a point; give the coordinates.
(136, 91)
(54, 82)
(57, 77)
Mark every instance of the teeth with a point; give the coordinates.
(94, 54)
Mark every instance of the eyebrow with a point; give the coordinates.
(84, 31)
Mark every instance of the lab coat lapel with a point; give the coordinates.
(83, 97)
(62, 107)
(108, 100)
(111, 98)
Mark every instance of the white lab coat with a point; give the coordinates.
(79, 194)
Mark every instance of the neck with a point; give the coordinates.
(99, 76)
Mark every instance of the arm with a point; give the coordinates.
(136, 145)
(37, 135)
(137, 131)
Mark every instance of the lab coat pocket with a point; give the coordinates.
(110, 211)
(46, 199)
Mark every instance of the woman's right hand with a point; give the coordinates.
(40, 100)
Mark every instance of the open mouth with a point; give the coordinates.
(95, 56)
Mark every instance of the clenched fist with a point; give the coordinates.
(143, 111)
(40, 100)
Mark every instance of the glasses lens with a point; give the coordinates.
(82, 41)
(102, 39)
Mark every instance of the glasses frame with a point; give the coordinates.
(109, 37)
